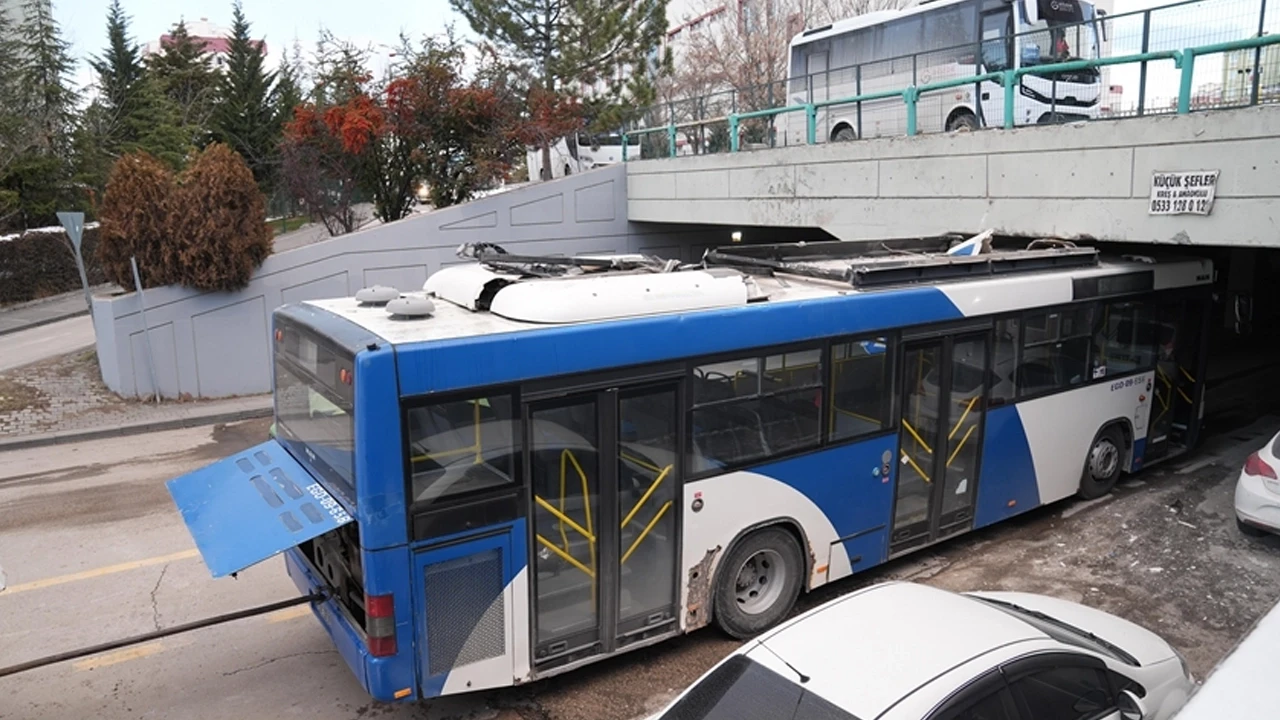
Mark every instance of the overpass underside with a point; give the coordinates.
(1089, 181)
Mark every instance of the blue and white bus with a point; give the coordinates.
(537, 463)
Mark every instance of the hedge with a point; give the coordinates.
(40, 263)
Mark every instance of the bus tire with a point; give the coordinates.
(963, 121)
(1103, 463)
(844, 133)
(758, 582)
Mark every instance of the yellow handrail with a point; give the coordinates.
(963, 440)
(963, 415)
(916, 435)
(645, 532)
(479, 449)
(1186, 374)
(907, 457)
(647, 493)
(565, 519)
(569, 559)
(852, 414)
(642, 463)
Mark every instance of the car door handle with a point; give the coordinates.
(986, 96)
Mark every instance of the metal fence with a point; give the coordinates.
(1189, 56)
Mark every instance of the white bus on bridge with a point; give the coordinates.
(943, 40)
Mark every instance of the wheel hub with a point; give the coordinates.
(760, 581)
(1103, 460)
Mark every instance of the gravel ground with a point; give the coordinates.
(66, 393)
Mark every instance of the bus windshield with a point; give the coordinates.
(1059, 35)
(314, 405)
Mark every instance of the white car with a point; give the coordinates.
(902, 651)
(1258, 491)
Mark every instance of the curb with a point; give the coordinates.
(74, 436)
(45, 321)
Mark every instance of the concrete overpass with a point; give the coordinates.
(1086, 180)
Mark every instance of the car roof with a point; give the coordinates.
(868, 650)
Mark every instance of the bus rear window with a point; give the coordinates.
(314, 398)
(461, 446)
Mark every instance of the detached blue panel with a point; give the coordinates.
(1008, 480)
(561, 350)
(1139, 450)
(250, 506)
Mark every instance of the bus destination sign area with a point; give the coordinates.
(1182, 192)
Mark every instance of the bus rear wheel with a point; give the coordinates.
(758, 583)
(1102, 465)
(845, 134)
(965, 121)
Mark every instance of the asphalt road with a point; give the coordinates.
(94, 550)
(45, 341)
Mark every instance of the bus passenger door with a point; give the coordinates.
(943, 404)
(1177, 393)
(604, 477)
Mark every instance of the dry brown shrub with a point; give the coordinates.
(135, 218)
(219, 223)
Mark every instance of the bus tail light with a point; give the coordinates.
(380, 614)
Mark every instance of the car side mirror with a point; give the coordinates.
(1131, 706)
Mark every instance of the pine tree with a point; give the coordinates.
(12, 124)
(38, 180)
(289, 85)
(186, 75)
(44, 67)
(599, 50)
(119, 71)
(245, 117)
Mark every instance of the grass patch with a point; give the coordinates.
(287, 225)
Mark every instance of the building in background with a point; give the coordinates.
(1237, 75)
(214, 37)
(14, 12)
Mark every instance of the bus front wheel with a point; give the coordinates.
(1103, 464)
(758, 582)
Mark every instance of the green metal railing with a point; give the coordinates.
(1184, 60)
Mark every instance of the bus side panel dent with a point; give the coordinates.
(698, 606)
(831, 495)
(1007, 483)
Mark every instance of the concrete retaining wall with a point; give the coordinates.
(215, 344)
(1089, 180)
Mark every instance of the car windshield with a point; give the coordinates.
(1062, 632)
(742, 689)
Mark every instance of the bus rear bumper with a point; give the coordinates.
(372, 672)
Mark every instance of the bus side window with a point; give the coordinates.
(755, 407)
(1124, 339)
(996, 41)
(860, 388)
(1004, 383)
(461, 446)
